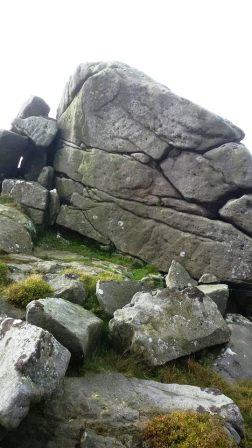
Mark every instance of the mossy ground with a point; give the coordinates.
(4, 270)
(31, 288)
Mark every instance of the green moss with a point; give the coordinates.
(31, 288)
(7, 200)
(187, 429)
(4, 271)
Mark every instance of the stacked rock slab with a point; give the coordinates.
(148, 171)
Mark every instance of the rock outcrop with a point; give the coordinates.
(113, 407)
(141, 168)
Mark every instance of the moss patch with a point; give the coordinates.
(31, 288)
(4, 271)
(186, 430)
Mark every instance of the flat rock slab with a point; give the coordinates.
(32, 363)
(113, 295)
(111, 404)
(235, 360)
(74, 327)
(166, 324)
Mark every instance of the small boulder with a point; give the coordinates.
(239, 212)
(34, 107)
(113, 295)
(46, 177)
(42, 131)
(32, 363)
(31, 195)
(76, 328)
(178, 277)
(208, 279)
(16, 231)
(167, 324)
(219, 293)
(68, 287)
(235, 360)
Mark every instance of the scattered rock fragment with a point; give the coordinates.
(178, 277)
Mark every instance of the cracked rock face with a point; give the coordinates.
(141, 168)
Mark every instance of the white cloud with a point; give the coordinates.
(200, 48)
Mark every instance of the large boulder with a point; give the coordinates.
(235, 360)
(76, 328)
(167, 324)
(108, 406)
(42, 131)
(32, 363)
(12, 148)
(141, 168)
(31, 195)
(16, 231)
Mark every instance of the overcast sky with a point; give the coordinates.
(201, 49)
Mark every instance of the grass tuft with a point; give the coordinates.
(31, 288)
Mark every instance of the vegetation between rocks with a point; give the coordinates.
(31, 288)
(186, 430)
(4, 270)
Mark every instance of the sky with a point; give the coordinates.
(200, 49)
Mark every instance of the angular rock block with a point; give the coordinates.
(42, 131)
(164, 325)
(74, 327)
(16, 231)
(34, 107)
(67, 286)
(219, 293)
(32, 364)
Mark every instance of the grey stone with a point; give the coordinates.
(54, 206)
(42, 131)
(12, 148)
(46, 177)
(92, 440)
(7, 309)
(16, 231)
(113, 295)
(178, 277)
(32, 363)
(219, 293)
(74, 327)
(33, 163)
(239, 212)
(119, 109)
(34, 107)
(31, 195)
(68, 161)
(66, 187)
(164, 325)
(116, 406)
(67, 286)
(208, 279)
(235, 360)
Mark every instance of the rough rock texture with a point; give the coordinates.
(219, 293)
(12, 148)
(208, 279)
(40, 130)
(54, 206)
(111, 404)
(34, 107)
(46, 177)
(239, 212)
(178, 277)
(68, 287)
(141, 168)
(32, 363)
(235, 360)
(166, 324)
(113, 295)
(74, 327)
(31, 195)
(16, 231)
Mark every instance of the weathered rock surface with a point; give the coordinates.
(141, 168)
(239, 212)
(178, 277)
(31, 195)
(34, 107)
(219, 293)
(166, 324)
(40, 130)
(235, 360)
(12, 148)
(113, 295)
(111, 404)
(54, 206)
(208, 279)
(46, 177)
(67, 286)
(32, 363)
(74, 327)
(16, 231)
